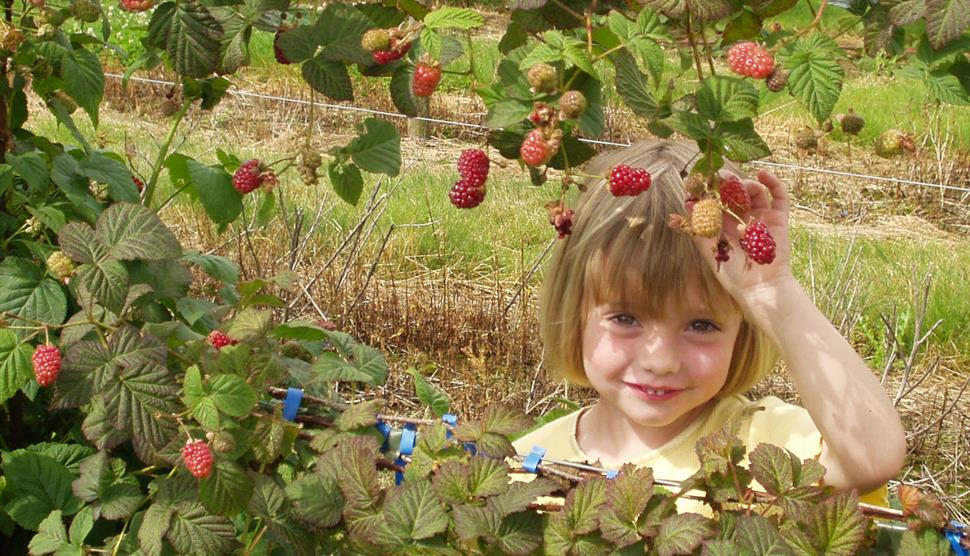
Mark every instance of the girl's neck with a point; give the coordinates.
(605, 433)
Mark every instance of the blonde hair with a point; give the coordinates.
(622, 250)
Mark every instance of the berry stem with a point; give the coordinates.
(163, 152)
(693, 46)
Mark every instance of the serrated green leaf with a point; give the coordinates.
(105, 168)
(15, 365)
(507, 112)
(727, 99)
(631, 85)
(331, 367)
(213, 186)
(947, 88)
(116, 497)
(682, 533)
(351, 464)
(378, 149)
(300, 43)
(453, 18)
(946, 20)
(584, 504)
(268, 438)
(132, 231)
(451, 482)
(98, 428)
(401, 93)
(541, 53)
(26, 292)
(429, 394)
(133, 396)
(227, 490)
(36, 485)
(756, 534)
(340, 28)
(741, 141)
(771, 466)
(414, 511)
(106, 281)
(815, 77)
(927, 542)
(328, 77)
(51, 535)
(346, 181)
(499, 419)
(193, 530)
(189, 35)
(431, 41)
(232, 395)
(317, 500)
(627, 496)
(837, 525)
(33, 167)
(153, 528)
(472, 522)
(518, 497)
(81, 525)
(250, 323)
(358, 415)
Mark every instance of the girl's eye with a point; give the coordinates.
(703, 326)
(624, 319)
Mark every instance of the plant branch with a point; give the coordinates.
(163, 152)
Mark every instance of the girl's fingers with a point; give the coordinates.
(779, 193)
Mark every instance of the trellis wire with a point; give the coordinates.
(282, 99)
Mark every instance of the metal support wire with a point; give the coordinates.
(282, 99)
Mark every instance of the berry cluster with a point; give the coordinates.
(469, 191)
(138, 183)
(750, 59)
(47, 364)
(561, 218)
(426, 79)
(626, 180)
(310, 161)
(251, 175)
(60, 265)
(137, 5)
(385, 46)
(198, 458)
(219, 340)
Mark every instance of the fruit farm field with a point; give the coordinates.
(218, 226)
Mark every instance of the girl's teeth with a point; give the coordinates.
(653, 392)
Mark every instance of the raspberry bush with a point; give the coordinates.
(113, 373)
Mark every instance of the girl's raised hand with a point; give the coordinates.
(741, 277)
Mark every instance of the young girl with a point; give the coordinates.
(637, 311)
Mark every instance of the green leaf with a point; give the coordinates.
(627, 496)
(358, 415)
(227, 490)
(631, 85)
(520, 533)
(232, 395)
(106, 169)
(453, 18)
(193, 530)
(815, 77)
(574, 52)
(592, 121)
(431, 42)
(378, 149)
(80, 526)
(99, 429)
(132, 231)
(430, 395)
(36, 485)
(153, 528)
(351, 464)
(771, 466)
(213, 186)
(346, 181)
(743, 24)
(507, 112)
(190, 36)
(79, 242)
(197, 400)
(220, 268)
(107, 281)
(837, 525)
(84, 81)
(413, 511)
(682, 533)
(760, 536)
(316, 500)
(401, 93)
(499, 419)
(927, 542)
(584, 504)
(250, 324)
(102, 482)
(741, 142)
(329, 78)
(518, 498)
(51, 535)
(451, 482)
(15, 366)
(340, 28)
(268, 437)
(33, 167)
(26, 292)
(946, 87)
(133, 397)
(946, 20)
(727, 99)
(299, 44)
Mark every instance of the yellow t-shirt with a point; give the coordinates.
(781, 424)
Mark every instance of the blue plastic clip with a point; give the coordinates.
(954, 535)
(291, 405)
(611, 473)
(531, 462)
(408, 437)
(449, 419)
(385, 431)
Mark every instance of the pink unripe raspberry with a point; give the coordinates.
(47, 364)
(535, 151)
(751, 60)
(198, 458)
(734, 196)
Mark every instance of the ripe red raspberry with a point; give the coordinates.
(247, 176)
(750, 59)
(137, 5)
(473, 167)
(277, 51)
(625, 180)
(535, 151)
(198, 458)
(220, 340)
(395, 53)
(138, 183)
(426, 79)
(47, 364)
(463, 195)
(734, 196)
(758, 243)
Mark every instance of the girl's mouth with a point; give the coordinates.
(652, 393)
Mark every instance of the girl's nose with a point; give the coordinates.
(658, 353)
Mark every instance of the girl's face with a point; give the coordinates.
(658, 373)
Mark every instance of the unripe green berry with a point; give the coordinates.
(543, 78)
(572, 105)
(60, 265)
